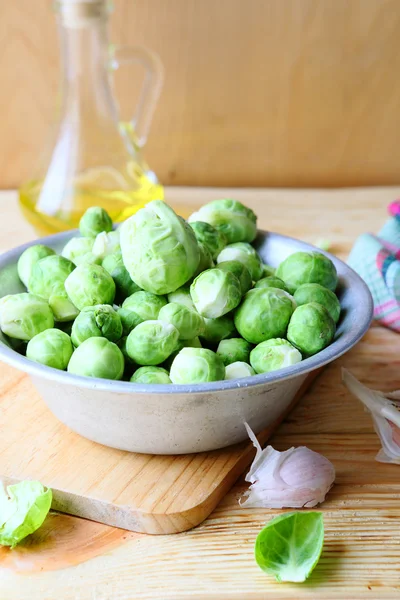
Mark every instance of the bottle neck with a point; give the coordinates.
(84, 52)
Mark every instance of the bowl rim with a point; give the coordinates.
(332, 352)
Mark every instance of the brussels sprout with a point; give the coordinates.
(140, 306)
(311, 328)
(307, 267)
(196, 365)
(182, 296)
(234, 350)
(48, 279)
(264, 314)
(124, 285)
(238, 370)
(51, 347)
(89, 285)
(274, 354)
(241, 272)
(94, 221)
(219, 329)
(129, 320)
(151, 342)
(245, 254)
(206, 261)
(23, 316)
(151, 375)
(97, 357)
(230, 217)
(29, 258)
(96, 321)
(271, 281)
(159, 248)
(215, 292)
(106, 243)
(206, 234)
(79, 250)
(187, 321)
(267, 270)
(313, 292)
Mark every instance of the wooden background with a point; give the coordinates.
(257, 92)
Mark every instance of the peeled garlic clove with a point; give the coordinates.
(295, 478)
(385, 413)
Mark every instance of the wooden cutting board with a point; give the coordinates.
(140, 492)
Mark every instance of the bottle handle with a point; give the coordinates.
(140, 123)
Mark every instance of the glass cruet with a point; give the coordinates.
(94, 158)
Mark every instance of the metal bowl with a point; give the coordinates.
(176, 419)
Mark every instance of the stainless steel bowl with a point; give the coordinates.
(176, 419)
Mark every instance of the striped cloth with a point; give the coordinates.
(376, 258)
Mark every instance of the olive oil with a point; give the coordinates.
(119, 203)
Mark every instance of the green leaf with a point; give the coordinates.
(23, 511)
(290, 545)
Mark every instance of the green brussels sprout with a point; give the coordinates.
(206, 261)
(182, 296)
(264, 313)
(97, 357)
(129, 320)
(89, 285)
(95, 221)
(230, 217)
(79, 250)
(215, 292)
(267, 270)
(238, 370)
(274, 354)
(151, 342)
(311, 328)
(51, 347)
(196, 365)
(307, 267)
(151, 375)
(244, 253)
(124, 285)
(142, 306)
(219, 329)
(22, 316)
(48, 280)
(210, 237)
(187, 321)
(96, 321)
(271, 281)
(234, 350)
(313, 292)
(159, 248)
(106, 243)
(241, 272)
(29, 258)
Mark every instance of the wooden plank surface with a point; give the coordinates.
(257, 92)
(137, 492)
(361, 555)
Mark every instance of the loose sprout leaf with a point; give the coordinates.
(290, 546)
(23, 511)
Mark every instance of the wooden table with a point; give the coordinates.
(361, 557)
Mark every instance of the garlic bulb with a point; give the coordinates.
(295, 478)
(385, 413)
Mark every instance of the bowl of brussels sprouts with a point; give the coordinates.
(165, 336)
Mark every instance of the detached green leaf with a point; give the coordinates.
(23, 511)
(290, 545)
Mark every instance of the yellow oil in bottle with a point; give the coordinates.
(100, 188)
